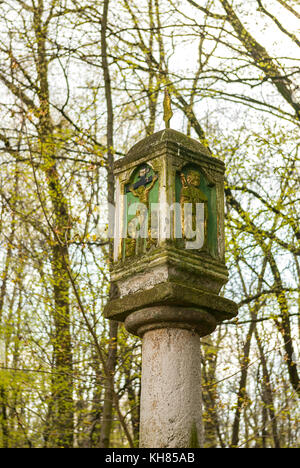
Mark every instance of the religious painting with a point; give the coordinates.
(197, 198)
(140, 192)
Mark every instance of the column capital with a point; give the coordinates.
(153, 318)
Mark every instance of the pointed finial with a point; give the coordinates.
(167, 109)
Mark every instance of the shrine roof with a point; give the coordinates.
(169, 136)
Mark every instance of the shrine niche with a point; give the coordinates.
(141, 191)
(192, 187)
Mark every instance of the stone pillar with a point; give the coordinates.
(166, 285)
(171, 414)
(171, 389)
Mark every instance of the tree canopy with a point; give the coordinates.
(80, 83)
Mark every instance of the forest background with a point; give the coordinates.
(80, 83)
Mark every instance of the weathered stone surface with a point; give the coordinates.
(198, 320)
(166, 263)
(171, 389)
(153, 144)
(169, 293)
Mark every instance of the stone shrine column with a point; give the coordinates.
(167, 274)
(171, 413)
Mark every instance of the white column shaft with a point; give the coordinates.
(171, 414)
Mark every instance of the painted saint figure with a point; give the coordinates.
(140, 224)
(142, 192)
(191, 193)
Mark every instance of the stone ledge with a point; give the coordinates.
(167, 253)
(205, 272)
(171, 294)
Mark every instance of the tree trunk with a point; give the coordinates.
(62, 387)
(267, 391)
(113, 326)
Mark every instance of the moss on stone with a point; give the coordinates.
(194, 443)
(170, 293)
(167, 136)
